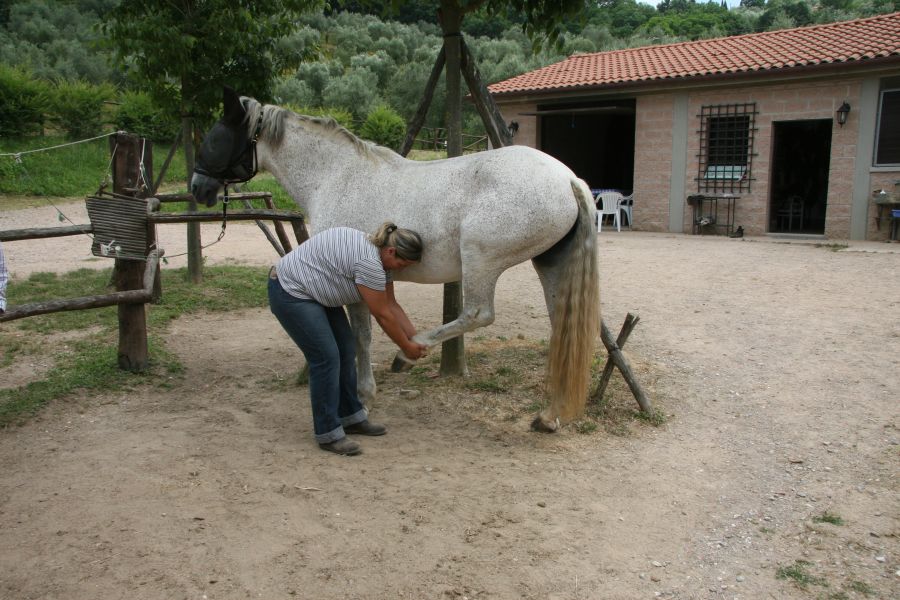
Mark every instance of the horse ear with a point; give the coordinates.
(234, 110)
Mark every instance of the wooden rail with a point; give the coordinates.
(12, 235)
(141, 296)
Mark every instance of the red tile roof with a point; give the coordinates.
(772, 51)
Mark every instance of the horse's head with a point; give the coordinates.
(228, 153)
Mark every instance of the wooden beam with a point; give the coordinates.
(187, 196)
(484, 102)
(140, 296)
(12, 235)
(419, 118)
(619, 360)
(627, 327)
(254, 214)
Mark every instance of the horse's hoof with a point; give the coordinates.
(544, 425)
(401, 364)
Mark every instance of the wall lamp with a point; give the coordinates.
(513, 127)
(842, 113)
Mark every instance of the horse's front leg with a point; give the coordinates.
(478, 311)
(361, 324)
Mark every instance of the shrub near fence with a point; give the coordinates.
(25, 101)
(77, 108)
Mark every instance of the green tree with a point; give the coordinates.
(194, 47)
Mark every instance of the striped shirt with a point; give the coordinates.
(327, 267)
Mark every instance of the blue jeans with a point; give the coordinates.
(324, 335)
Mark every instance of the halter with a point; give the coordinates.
(226, 177)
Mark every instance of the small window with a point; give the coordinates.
(887, 136)
(726, 147)
(725, 172)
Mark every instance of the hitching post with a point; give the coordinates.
(129, 274)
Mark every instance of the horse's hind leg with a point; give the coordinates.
(361, 324)
(478, 311)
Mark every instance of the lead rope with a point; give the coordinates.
(225, 199)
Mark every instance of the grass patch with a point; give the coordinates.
(90, 362)
(224, 288)
(506, 383)
(861, 587)
(827, 517)
(799, 574)
(70, 171)
(426, 155)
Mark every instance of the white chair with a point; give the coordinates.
(608, 203)
(626, 207)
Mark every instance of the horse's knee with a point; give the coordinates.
(477, 317)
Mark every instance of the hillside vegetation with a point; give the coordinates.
(358, 57)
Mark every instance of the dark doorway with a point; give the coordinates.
(801, 152)
(595, 140)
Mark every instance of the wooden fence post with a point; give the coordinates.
(131, 153)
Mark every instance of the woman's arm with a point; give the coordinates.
(408, 328)
(383, 311)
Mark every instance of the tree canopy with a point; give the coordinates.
(187, 49)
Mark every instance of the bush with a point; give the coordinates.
(343, 117)
(356, 91)
(384, 127)
(138, 114)
(78, 107)
(25, 101)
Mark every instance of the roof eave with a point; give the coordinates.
(793, 72)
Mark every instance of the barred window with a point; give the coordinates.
(887, 138)
(726, 147)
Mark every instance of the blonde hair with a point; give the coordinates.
(406, 241)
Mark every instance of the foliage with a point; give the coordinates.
(77, 107)
(24, 101)
(384, 127)
(197, 46)
(357, 92)
(138, 114)
(366, 53)
(56, 40)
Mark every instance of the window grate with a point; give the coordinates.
(726, 133)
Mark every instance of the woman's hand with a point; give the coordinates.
(414, 350)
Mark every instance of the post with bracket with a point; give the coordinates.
(132, 173)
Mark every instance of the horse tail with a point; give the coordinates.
(575, 322)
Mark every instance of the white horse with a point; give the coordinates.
(478, 215)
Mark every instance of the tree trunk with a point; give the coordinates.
(195, 253)
(453, 352)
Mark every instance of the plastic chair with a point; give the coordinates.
(608, 203)
(626, 206)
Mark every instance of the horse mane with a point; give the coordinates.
(272, 128)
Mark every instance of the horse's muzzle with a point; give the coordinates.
(204, 188)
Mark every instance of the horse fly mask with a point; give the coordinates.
(228, 155)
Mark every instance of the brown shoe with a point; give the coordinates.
(342, 446)
(366, 428)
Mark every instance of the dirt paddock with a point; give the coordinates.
(773, 476)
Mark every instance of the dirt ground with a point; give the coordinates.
(775, 474)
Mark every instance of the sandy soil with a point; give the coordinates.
(775, 363)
